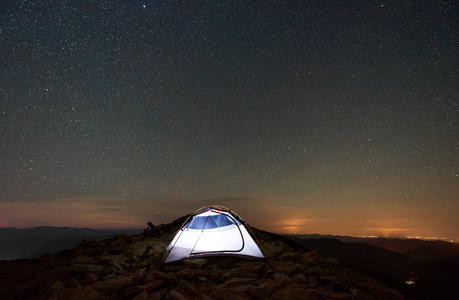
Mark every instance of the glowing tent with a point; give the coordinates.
(213, 230)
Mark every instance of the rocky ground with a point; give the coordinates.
(127, 267)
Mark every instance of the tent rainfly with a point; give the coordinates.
(212, 230)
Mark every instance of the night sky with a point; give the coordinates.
(332, 117)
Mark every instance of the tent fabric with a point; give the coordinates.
(212, 230)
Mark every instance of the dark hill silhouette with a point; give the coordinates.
(424, 250)
(434, 279)
(438, 278)
(34, 242)
(127, 267)
(59, 232)
(418, 249)
(361, 256)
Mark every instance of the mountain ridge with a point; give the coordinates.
(128, 267)
(417, 269)
(30, 243)
(318, 267)
(420, 249)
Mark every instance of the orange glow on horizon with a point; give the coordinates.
(104, 213)
(290, 229)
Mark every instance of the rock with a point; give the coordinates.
(243, 272)
(194, 263)
(132, 256)
(280, 277)
(111, 271)
(87, 293)
(359, 294)
(186, 289)
(90, 278)
(311, 282)
(54, 290)
(106, 257)
(149, 250)
(155, 286)
(86, 268)
(168, 277)
(112, 285)
(219, 293)
(298, 277)
(186, 274)
(159, 294)
(176, 295)
(262, 269)
(224, 262)
(120, 243)
(113, 297)
(74, 283)
(216, 276)
(265, 290)
(204, 272)
(139, 276)
(285, 266)
(292, 292)
(308, 258)
(118, 266)
(85, 260)
(142, 296)
(173, 269)
(239, 281)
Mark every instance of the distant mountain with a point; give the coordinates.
(396, 262)
(33, 242)
(316, 236)
(361, 256)
(424, 250)
(418, 249)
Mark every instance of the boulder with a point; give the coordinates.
(236, 282)
(292, 292)
(217, 292)
(79, 268)
(87, 293)
(155, 286)
(85, 260)
(142, 296)
(241, 273)
(177, 295)
(186, 274)
(194, 263)
(186, 289)
(89, 279)
(265, 289)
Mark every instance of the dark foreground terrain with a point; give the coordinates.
(127, 267)
(432, 267)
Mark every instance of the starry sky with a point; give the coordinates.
(332, 117)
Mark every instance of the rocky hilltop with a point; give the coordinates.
(127, 267)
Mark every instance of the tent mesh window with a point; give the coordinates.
(210, 222)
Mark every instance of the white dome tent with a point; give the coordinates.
(213, 230)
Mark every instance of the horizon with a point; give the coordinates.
(254, 211)
(442, 239)
(310, 116)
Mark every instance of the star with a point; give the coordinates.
(290, 104)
